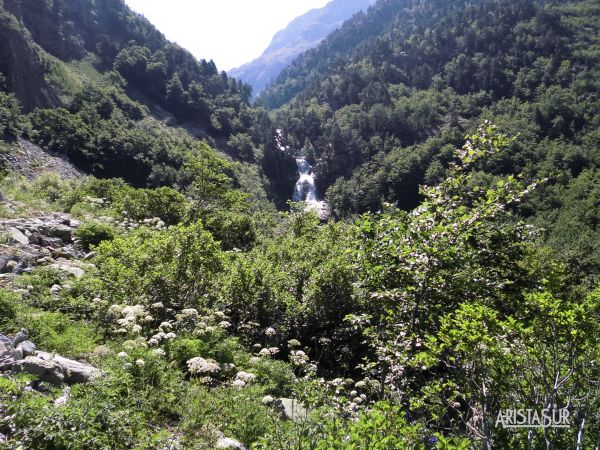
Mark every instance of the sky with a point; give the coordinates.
(230, 32)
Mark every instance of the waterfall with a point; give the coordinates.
(305, 189)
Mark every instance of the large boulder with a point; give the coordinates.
(290, 409)
(63, 232)
(55, 369)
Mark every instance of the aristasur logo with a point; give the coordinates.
(533, 418)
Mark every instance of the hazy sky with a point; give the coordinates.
(231, 32)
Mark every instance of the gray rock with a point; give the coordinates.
(46, 370)
(5, 339)
(4, 260)
(64, 398)
(226, 442)
(63, 232)
(55, 289)
(290, 409)
(6, 363)
(55, 369)
(17, 236)
(17, 354)
(5, 349)
(21, 336)
(77, 272)
(27, 347)
(90, 255)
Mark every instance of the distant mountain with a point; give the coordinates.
(303, 33)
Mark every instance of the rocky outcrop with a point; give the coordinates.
(41, 241)
(19, 355)
(55, 369)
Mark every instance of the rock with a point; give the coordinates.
(21, 336)
(226, 442)
(46, 370)
(27, 347)
(64, 398)
(63, 232)
(17, 354)
(290, 409)
(46, 241)
(4, 266)
(5, 349)
(55, 289)
(56, 369)
(5, 339)
(17, 236)
(90, 255)
(77, 272)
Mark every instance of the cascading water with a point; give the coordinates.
(305, 189)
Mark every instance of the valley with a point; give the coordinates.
(390, 246)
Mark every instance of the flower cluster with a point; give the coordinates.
(201, 366)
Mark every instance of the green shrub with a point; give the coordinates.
(238, 413)
(8, 311)
(93, 233)
(56, 332)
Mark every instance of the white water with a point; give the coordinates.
(305, 189)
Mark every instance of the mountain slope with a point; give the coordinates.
(378, 107)
(88, 70)
(303, 33)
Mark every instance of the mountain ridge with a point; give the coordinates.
(301, 34)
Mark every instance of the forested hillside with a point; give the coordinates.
(104, 72)
(383, 101)
(162, 294)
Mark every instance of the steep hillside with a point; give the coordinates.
(72, 56)
(163, 302)
(303, 33)
(382, 101)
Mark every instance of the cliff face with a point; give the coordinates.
(22, 64)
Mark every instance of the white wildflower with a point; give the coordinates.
(140, 363)
(202, 366)
(245, 377)
(270, 332)
(298, 357)
(165, 326)
(267, 400)
(238, 384)
(122, 355)
(115, 310)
